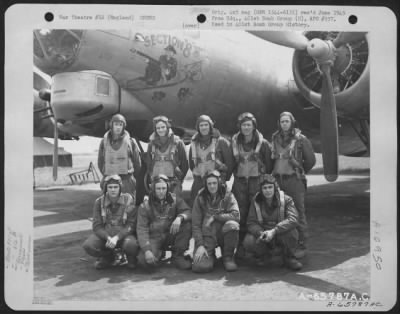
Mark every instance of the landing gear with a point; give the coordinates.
(362, 131)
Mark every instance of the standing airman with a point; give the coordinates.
(119, 154)
(293, 157)
(252, 157)
(208, 151)
(166, 154)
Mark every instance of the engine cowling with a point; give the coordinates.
(350, 74)
(80, 95)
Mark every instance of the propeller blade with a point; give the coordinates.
(55, 151)
(347, 37)
(287, 39)
(329, 126)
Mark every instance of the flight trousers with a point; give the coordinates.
(94, 246)
(226, 236)
(286, 241)
(244, 189)
(163, 241)
(296, 189)
(198, 184)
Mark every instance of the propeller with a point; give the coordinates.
(324, 53)
(55, 151)
(287, 39)
(329, 126)
(45, 94)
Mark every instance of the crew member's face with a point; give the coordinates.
(118, 126)
(285, 123)
(161, 190)
(113, 190)
(169, 53)
(161, 128)
(247, 128)
(204, 128)
(212, 185)
(268, 190)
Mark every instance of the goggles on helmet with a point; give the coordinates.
(160, 119)
(213, 173)
(160, 177)
(114, 177)
(267, 178)
(205, 118)
(118, 117)
(246, 115)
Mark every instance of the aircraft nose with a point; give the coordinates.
(55, 49)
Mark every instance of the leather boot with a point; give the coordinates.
(181, 262)
(300, 250)
(292, 263)
(119, 258)
(229, 263)
(231, 239)
(132, 262)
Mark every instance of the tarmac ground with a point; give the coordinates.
(338, 259)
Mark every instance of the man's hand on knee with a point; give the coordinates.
(200, 253)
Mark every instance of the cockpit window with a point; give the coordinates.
(58, 46)
(37, 50)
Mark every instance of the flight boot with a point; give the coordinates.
(119, 258)
(301, 250)
(240, 252)
(181, 261)
(231, 240)
(229, 263)
(132, 262)
(292, 263)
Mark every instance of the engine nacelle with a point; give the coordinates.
(83, 95)
(350, 76)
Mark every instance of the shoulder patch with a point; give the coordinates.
(145, 203)
(287, 197)
(173, 195)
(235, 136)
(194, 137)
(228, 192)
(152, 137)
(298, 134)
(176, 139)
(128, 197)
(228, 196)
